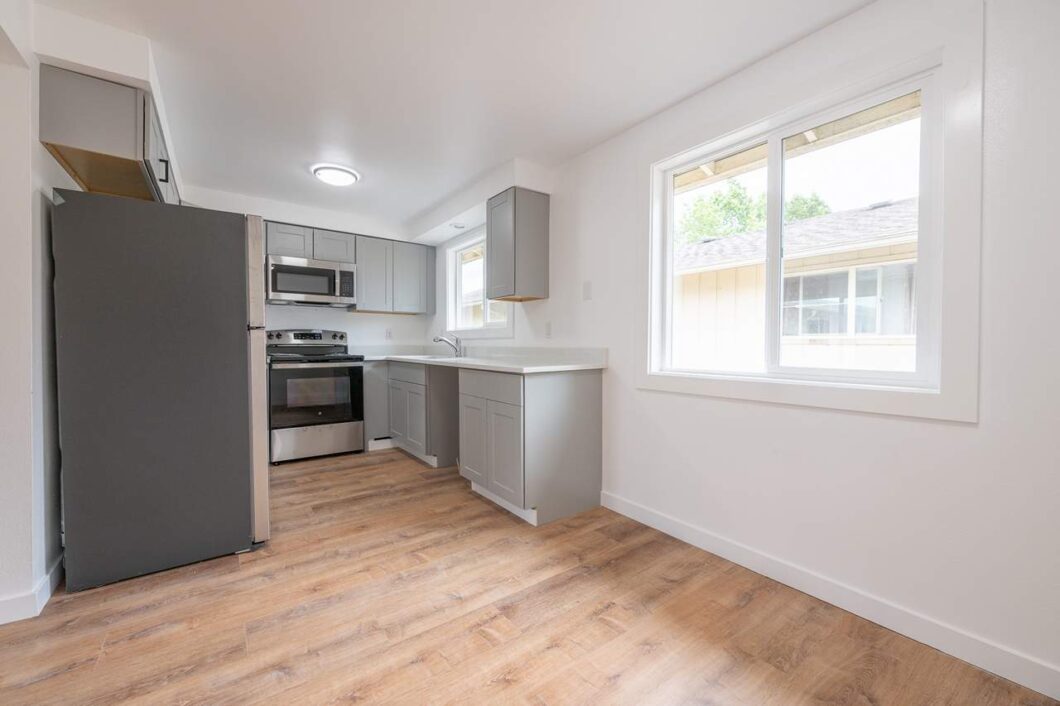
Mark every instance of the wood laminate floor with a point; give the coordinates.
(389, 582)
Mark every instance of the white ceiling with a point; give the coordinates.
(423, 96)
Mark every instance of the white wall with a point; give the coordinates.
(29, 503)
(16, 429)
(947, 532)
(365, 332)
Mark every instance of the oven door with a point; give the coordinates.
(303, 281)
(310, 394)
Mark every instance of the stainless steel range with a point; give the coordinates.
(316, 394)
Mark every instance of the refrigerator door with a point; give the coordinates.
(153, 382)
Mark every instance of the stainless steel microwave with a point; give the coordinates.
(299, 280)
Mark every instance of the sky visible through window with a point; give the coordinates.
(894, 153)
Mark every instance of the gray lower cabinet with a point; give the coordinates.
(375, 274)
(504, 443)
(534, 441)
(335, 246)
(424, 411)
(416, 404)
(376, 401)
(288, 240)
(473, 439)
(399, 411)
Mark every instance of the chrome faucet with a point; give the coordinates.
(454, 343)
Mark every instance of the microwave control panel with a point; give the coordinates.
(346, 288)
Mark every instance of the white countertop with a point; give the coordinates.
(519, 365)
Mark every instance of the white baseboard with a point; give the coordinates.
(380, 444)
(1003, 661)
(523, 514)
(31, 603)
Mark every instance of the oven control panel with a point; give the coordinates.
(305, 337)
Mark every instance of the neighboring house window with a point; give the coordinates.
(817, 283)
(858, 301)
(470, 314)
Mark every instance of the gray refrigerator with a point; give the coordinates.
(160, 363)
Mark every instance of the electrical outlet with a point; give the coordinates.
(548, 329)
(389, 334)
(587, 290)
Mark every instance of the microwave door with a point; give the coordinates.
(304, 281)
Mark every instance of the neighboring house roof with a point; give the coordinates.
(844, 230)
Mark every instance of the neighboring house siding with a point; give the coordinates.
(719, 316)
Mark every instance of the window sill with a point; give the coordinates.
(907, 401)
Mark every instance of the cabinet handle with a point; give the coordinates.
(164, 161)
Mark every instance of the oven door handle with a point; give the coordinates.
(302, 366)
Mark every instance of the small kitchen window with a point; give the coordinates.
(470, 314)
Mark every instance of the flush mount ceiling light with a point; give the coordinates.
(335, 175)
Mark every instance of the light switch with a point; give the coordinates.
(587, 290)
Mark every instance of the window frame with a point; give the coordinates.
(951, 142)
(452, 274)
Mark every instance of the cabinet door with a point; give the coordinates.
(399, 412)
(156, 154)
(410, 278)
(473, 435)
(416, 436)
(500, 245)
(335, 246)
(504, 462)
(375, 261)
(284, 239)
(376, 401)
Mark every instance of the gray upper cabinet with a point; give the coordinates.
(375, 268)
(335, 246)
(289, 240)
(517, 245)
(156, 154)
(392, 275)
(412, 277)
(106, 135)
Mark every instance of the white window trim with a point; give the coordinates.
(946, 384)
(505, 330)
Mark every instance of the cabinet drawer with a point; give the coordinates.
(408, 372)
(500, 387)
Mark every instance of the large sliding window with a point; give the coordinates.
(796, 255)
